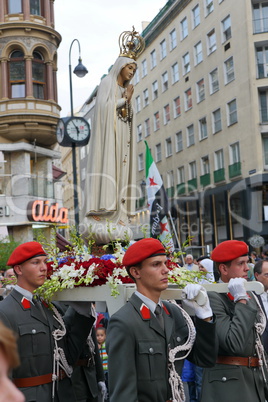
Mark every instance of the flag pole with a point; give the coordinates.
(176, 236)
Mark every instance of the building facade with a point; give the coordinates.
(201, 102)
(29, 193)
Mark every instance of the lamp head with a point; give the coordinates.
(80, 70)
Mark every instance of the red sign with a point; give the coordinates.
(41, 211)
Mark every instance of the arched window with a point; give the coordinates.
(39, 76)
(14, 6)
(17, 74)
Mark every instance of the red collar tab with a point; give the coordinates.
(44, 303)
(231, 297)
(26, 303)
(145, 312)
(165, 309)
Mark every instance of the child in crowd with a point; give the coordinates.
(101, 337)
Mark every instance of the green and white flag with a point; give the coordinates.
(157, 203)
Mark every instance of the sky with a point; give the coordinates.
(97, 25)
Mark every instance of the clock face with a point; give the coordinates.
(60, 131)
(77, 129)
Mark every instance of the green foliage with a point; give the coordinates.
(7, 245)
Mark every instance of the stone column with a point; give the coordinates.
(47, 12)
(50, 95)
(26, 9)
(29, 77)
(4, 79)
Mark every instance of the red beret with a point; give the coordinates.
(24, 252)
(229, 250)
(141, 250)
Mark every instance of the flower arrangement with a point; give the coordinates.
(78, 267)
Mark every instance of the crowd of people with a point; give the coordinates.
(150, 349)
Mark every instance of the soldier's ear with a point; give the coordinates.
(223, 269)
(135, 272)
(17, 270)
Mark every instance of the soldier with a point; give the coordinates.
(138, 342)
(47, 349)
(238, 374)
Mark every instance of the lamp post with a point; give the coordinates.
(80, 71)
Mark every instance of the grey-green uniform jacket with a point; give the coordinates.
(236, 335)
(36, 345)
(138, 351)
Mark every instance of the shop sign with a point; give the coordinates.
(42, 211)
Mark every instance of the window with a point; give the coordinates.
(35, 7)
(209, 7)
(166, 114)
(216, 120)
(226, 29)
(164, 81)
(168, 147)
(186, 63)
(170, 179)
(211, 41)
(188, 99)
(234, 153)
(140, 162)
(137, 77)
(139, 133)
(163, 49)
(205, 165)
(17, 74)
(147, 127)
(229, 70)
(198, 53)
(265, 150)
(145, 97)
(155, 89)
(179, 143)
(260, 17)
(173, 39)
(175, 73)
(14, 6)
(219, 159)
(184, 28)
(38, 74)
(153, 59)
(203, 131)
(192, 170)
(264, 106)
(200, 90)
(232, 112)
(196, 16)
(138, 103)
(262, 61)
(144, 68)
(158, 152)
(214, 81)
(181, 175)
(156, 121)
(190, 135)
(177, 107)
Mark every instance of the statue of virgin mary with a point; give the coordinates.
(110, 191)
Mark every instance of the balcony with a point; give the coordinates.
(219, 175)
(235, 170)
(28, 185)
(180, 188)
(170, 192)
(205, 180)
(192, 184)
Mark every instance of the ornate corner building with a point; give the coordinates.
(28, 116)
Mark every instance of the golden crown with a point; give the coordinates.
(131, 44)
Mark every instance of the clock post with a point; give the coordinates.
(74, 130)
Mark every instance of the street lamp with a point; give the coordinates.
(80, 71)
